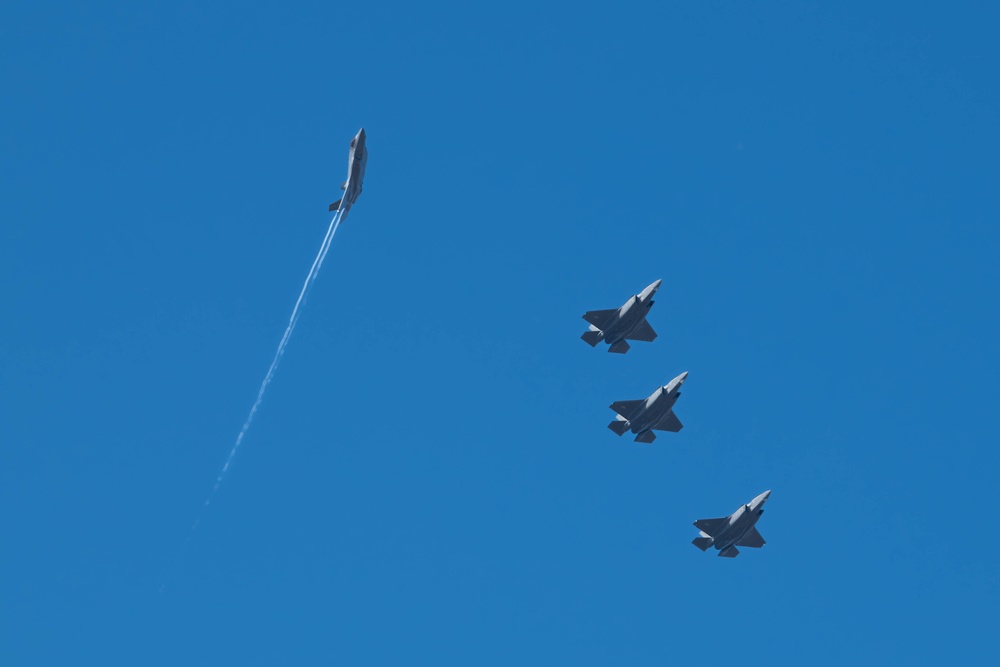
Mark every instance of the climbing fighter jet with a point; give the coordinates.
(356, 162)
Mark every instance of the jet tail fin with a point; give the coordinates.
(618, 426)
(729, 552)
(702, 543)
(646, 437)
(592, 338)
(621, 347)
(335, 206)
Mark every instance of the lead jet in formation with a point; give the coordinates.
(645, 415)
(356, 162)
(619, 325)
(739, 529)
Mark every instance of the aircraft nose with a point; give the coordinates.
(650, 290)
(676, 382)
(764, 496)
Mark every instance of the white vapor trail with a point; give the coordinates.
(292, 321)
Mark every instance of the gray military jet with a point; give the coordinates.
(645, 415)
(356, 162)
(618, 325)
(739, 529)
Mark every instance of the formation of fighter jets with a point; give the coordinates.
(642, 416)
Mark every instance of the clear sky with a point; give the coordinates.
(430, 479)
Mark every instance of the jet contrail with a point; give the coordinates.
(356, 161)
(292, 321)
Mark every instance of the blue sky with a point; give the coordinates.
(430, 479)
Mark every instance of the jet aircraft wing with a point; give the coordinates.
(628, 409)
(670, 423)
(643, 332)
(600, 318)
(752, 539)
(711, 527)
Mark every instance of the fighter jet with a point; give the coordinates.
(617, 325)
(645, 415)
(739, 529)
(356, 162)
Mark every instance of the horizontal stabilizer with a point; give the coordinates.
(618, 427)
(752, 539)
(335, 206)
(621, 347)
(628, 409)
(730, 552)
(670, 423)
(702, 543)
(642, 332)
(592, 338)
(646, 437)
(711, 527)
(600, 318)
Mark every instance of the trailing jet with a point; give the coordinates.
(356, 162)
(739, 529)
(645, 415)
(617, 325)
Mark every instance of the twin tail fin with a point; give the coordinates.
(592, 338)
(619, 426)
(621, 347)
(702, 543)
